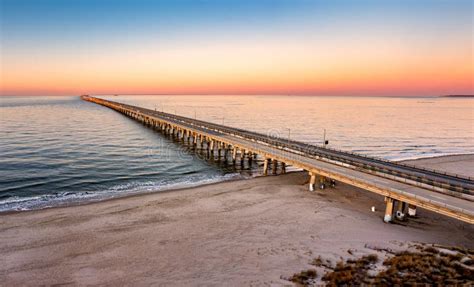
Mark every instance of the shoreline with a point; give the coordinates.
(133, 195)
(177, 189)
(434, 157)
(245, 232)
(125, 196)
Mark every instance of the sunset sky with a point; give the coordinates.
(309, 47)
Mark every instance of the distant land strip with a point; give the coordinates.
(458, 96)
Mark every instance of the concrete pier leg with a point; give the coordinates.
(400, 210)
(274, 166)
(388, 209)
(242, 158)
(283, 167)
(265, 167)
(234, 154)
(219, 150)
(312, 181)
(411, 210)
(212, 146)
(226, 151)
(250, 156)
(208, 148)
(322, 182)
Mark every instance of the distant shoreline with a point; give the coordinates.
(458, 96)
(255, 95)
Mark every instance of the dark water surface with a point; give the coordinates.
(61, 150)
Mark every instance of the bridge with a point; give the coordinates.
(405, 187)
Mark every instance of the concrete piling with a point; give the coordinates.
(234, 154)
(312, 181)
(388, 209)
(401, 206)
(265, 166)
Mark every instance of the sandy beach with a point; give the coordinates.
(249, 232)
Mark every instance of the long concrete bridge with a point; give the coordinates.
(404, 187)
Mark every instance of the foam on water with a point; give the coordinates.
(16, 203)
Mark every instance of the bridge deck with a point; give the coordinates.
(441, 203)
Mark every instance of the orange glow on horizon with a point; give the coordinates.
(236, 68)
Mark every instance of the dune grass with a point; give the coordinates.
(428, 266)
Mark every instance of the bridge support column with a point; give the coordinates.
(274, 166)
(234, 154)
(212, 146)
(208, 148)
(411, 210)
(265, 167)
(219, 149)
(250, 155)
(401, 206)
(226, 151)
(242, 157)
(312, 181)
(283, 167)
(388, 209)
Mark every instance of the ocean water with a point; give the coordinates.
(61, 150)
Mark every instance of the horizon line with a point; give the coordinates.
(232, 94)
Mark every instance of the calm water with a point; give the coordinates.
(61, 150)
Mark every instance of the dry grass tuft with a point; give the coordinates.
(354, 270)
(425, 268)
(304, 278)
(428, 266)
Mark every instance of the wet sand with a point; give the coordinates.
(249, 232)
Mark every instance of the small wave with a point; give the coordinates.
(16, 203)
(425, 155)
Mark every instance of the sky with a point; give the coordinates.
(308, 47)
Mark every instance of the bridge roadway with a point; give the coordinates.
(395, 191)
